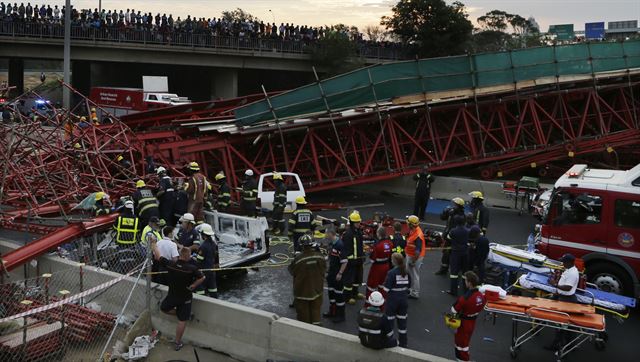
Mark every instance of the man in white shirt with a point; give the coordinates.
(168, 250)
(565, 292)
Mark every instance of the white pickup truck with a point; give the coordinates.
(266, 190)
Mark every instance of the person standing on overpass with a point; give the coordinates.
(183, 278)
(423, 192)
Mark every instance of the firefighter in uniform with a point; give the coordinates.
(479, 211)
(188, 235)
(354, 248)
(127, 234)
(224, 193)
(423, 192)
(249, 194)
(301, 222)
(467, 308)
(337, 266)
(279, 203)
(399, 240)
(196, 188)
(459, 237)
(99, 208)
(397, 287)
(208, 258)
(374, 328)
(146, 205)
(380, 262)
(416, 249)
(308, 269)
(456, 208)
(166, 196)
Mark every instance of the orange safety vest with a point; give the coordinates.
(410, 249)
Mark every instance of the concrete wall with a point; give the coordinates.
(244, 333)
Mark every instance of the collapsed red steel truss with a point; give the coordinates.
(500, 134)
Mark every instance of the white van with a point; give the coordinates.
(266, 190)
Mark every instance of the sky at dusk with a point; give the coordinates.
(368, 12)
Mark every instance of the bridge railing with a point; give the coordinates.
(182, 38)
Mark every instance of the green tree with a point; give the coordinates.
(336, 53)
(238, 15)
(503, 31)
(494, 20)
(431, 27)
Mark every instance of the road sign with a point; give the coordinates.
(594, 30)
(562, 31)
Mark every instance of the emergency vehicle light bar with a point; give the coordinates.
(576, 171)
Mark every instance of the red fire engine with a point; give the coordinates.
(595, 215)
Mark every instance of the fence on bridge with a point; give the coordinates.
(182, 39)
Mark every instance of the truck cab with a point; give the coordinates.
(164, 99)
(595, 215)
(266, 190)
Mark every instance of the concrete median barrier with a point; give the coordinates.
(293, 340)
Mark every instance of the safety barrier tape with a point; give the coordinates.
(68, 300)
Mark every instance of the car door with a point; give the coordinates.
(624, 230)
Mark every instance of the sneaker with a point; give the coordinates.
(179, 346)
(351, 301)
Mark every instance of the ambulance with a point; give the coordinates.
(594, 214)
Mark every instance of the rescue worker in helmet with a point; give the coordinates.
(416, 250)
(208, 258)
(100, 208)
(479, 211)
(308, 270)
(224, 193)
(166, 196)
(249, 194)
(399, 240)
(456, 208)
(152, 231)
(146, 205)
(423, 192)
(279, 203)
(337, 267)
(301, 222)
(459, 237)
(127, 228)
(465, 312)
(354, 248)
(187, 234)
(197, 188)
(374, 328)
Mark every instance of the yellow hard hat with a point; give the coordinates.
(458, 201)
(193, 166)
(83, 118)
(99, 195)
(355, 216)
(140, 183)
(413, 220)
(93, 109)
(301, 200)
(119, 158)
(277, 176)
(476, 195)
(77, 146)
(451, 321)
(220, 176)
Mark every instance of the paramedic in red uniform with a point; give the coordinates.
(380, 262)
(467, 307)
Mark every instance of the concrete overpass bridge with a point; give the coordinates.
(215, 66)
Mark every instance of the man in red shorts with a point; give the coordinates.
(183, 278)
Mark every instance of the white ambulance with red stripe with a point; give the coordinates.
(595, 215)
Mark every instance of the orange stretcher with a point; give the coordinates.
(580, 321)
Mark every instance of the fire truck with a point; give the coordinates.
(595, 215)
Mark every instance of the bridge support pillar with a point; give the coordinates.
(224, 83)
(16, 75)
(81, 76)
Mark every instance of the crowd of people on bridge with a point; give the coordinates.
(166, 24)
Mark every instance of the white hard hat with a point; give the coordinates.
(188, 217)
(376, 299)
(206, 229)
(161, 169)
(128, 204)
(248, 173)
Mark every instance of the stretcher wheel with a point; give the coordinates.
(513, 352)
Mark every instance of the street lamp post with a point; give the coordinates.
(66, 92)
(273, 17)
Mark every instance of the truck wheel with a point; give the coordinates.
(610, 278)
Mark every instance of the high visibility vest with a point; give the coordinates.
(147, 229)
(147, 201)
(127, 230)
(415, 235)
